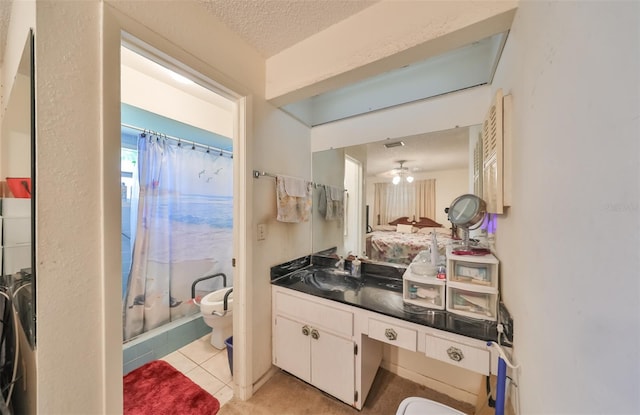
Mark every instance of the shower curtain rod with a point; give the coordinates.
(180, 140)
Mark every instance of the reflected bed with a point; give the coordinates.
(401, 240)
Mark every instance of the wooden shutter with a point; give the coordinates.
(492, 140)
(477, 167)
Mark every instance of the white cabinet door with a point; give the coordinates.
(292, 348)
(333, 365)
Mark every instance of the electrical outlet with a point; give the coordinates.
(262, 232)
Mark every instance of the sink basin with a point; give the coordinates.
(331, 280)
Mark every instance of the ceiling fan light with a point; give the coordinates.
(409, 179)
(396, 179)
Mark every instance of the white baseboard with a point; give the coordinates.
(264, 378)
(436, 385)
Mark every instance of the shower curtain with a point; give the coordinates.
(182, 223)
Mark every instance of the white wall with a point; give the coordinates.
(387, 35)
(328, 169)
(69, 216)
(569, 245)
(15, 89)
(143, 91)
(16, 131)
(462, 108)
(23, 18)
(79, 308)
(281, 146)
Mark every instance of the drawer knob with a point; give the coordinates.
(315, 334)
(391, 334)
(455, 354)
(305, 330)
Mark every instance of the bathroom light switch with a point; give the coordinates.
(262, 232)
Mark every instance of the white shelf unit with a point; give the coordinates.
(430, 290)
(15, 232)
(472, 286)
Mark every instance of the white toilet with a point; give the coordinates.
(214, 315)
(423, 406)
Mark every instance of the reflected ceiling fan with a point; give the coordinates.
(401, 173)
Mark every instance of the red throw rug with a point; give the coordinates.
(158, 388)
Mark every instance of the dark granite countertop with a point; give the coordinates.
(380, 290)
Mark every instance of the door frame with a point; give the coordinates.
(357, 203)
(134, 35)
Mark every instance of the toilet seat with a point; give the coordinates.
(422, 406)
(214, 301)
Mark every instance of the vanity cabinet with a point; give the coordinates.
(314, 342)
(338, 347)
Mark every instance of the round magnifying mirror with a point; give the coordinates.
(467, 210)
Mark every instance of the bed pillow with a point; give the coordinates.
(440, 232)
(405, 228)
(390, 228)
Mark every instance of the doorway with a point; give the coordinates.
(353, 231)
(185, 122)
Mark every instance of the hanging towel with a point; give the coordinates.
(293, 199)
(322, 200)
(332, 203)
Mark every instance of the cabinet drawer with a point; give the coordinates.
(459, 354)
(393, 334)
(315, 314)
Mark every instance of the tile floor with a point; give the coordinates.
(206, 366)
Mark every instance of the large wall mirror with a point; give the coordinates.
(17, 169)
(431, 170)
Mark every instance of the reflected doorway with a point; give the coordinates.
(353, 230)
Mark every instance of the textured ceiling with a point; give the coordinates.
(270, 26)
(435, 151)
(274, 25)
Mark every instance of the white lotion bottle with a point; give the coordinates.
(355, 268)
(435, 256)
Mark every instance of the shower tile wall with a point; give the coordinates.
(151, 346)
